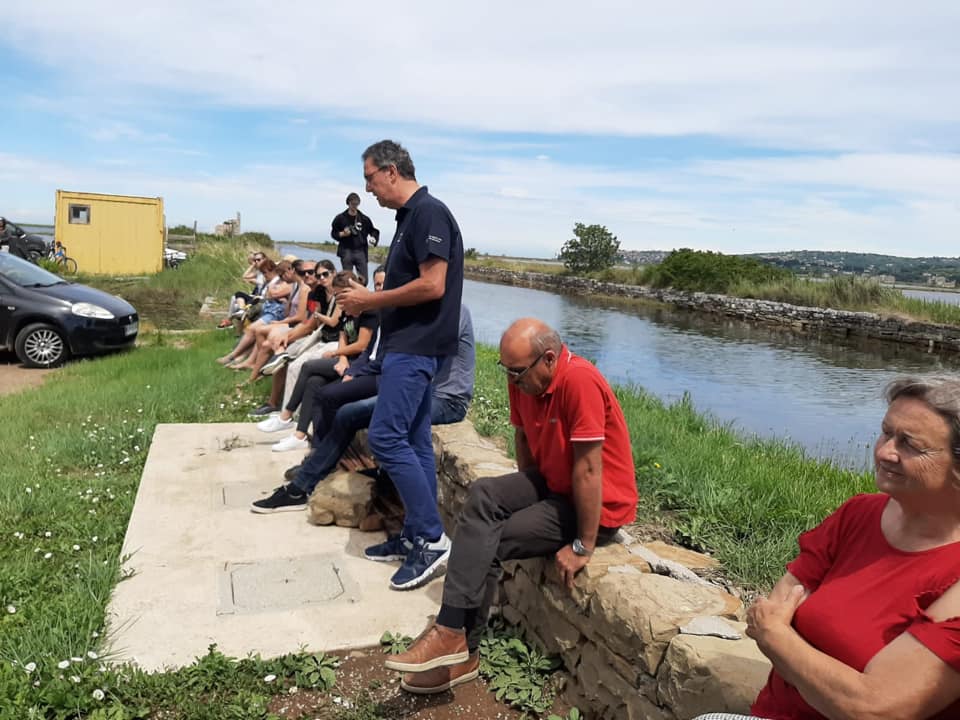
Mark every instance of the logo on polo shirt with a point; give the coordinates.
(434, 238)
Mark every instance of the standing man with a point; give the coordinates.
(573, 489)
(350, 229)
(419, 324)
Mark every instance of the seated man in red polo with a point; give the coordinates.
(574, 489)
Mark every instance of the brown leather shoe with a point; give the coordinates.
(442, 678)
(437, 647)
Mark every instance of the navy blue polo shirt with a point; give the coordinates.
(425, 228)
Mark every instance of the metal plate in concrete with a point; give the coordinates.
(283, 584)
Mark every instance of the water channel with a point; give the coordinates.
(823, 394)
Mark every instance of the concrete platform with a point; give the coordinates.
(206, 570)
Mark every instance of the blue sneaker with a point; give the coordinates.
(396, 547)
(423, 562)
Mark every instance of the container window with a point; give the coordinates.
(79, 214)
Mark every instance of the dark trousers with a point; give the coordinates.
(314, 375)
(355, 260)
(511, 517)
(334, 396)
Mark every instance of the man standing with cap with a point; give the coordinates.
(350, 229)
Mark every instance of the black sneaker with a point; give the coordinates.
(291, 473)
(283, 500)
(263, 410)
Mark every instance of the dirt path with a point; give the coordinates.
(14, 377)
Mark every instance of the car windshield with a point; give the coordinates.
(25, 274)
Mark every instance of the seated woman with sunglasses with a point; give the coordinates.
(266, 336)
(307, 340)
(278, 285)
(355, 336)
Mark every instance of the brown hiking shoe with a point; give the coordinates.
(442, 678)
(437, 647)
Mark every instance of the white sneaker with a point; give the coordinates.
(290, 443)
(274, 423)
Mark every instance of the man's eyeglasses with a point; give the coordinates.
(304, 273)
(369, 176)
(515, 373)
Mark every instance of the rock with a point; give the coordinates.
(638, 615)
(687, 558)
(703, 674)
(343, 498)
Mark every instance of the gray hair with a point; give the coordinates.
(941, 393)
(549, 339)
(386, 153)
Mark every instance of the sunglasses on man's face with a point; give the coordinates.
(304, 273)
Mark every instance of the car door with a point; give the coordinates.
(7, 305)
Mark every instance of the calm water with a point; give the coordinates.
(821, 393)
(951, 298)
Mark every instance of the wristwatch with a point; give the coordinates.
(579, 548)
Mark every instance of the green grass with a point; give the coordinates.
(74, 450)
(171, 299)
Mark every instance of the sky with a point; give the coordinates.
(735, 127)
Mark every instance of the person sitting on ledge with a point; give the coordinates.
(452, 392)
(574, 488)
(865, 623)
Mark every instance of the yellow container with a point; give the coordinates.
(111, 234)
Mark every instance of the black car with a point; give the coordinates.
(45, 320)
(23, 244)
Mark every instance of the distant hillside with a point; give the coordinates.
(927, 271)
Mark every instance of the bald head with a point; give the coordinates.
(528, 350)
(530, 336)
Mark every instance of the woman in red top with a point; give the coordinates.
(865, 623)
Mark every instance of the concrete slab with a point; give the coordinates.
(204, 569)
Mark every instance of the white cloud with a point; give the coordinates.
(817, 74)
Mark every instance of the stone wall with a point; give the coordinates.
(636, 644)
(841, 323)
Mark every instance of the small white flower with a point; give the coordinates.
(18, 535)
(29, 489)
(48, 534)
(95, 634)
(75, 679)
(47, 556)
(63, 664)
(76, 547)
(98, 694)
(11, 609)
(30, 667)
(76, 659)
(270, 678)
(95, 538)
(92, 655)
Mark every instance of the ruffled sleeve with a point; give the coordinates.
(942, 638)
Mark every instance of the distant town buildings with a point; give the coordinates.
(228, 228)
(644, 257)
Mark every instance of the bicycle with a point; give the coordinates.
(57, 253)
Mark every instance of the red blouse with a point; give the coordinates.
(864, 593)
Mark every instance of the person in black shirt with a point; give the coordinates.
(419, 326)
(350, 229)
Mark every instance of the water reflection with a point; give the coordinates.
(822, 392)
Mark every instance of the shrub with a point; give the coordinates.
(705, 271)
(592, 248)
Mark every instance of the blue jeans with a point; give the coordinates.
(346, 422)
(401, 441)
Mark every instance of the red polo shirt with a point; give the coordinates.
(579, 406)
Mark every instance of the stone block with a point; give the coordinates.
(701, 674)
(343, 498)
(687, 558)
(638, 615)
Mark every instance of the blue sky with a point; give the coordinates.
(738, 127)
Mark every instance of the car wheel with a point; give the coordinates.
(33, 256)
(41, 346)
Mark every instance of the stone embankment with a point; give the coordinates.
(812, 320)
(641, 635)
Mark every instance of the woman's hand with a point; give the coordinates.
(769, 616)
(329, 354)
(341, 366)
